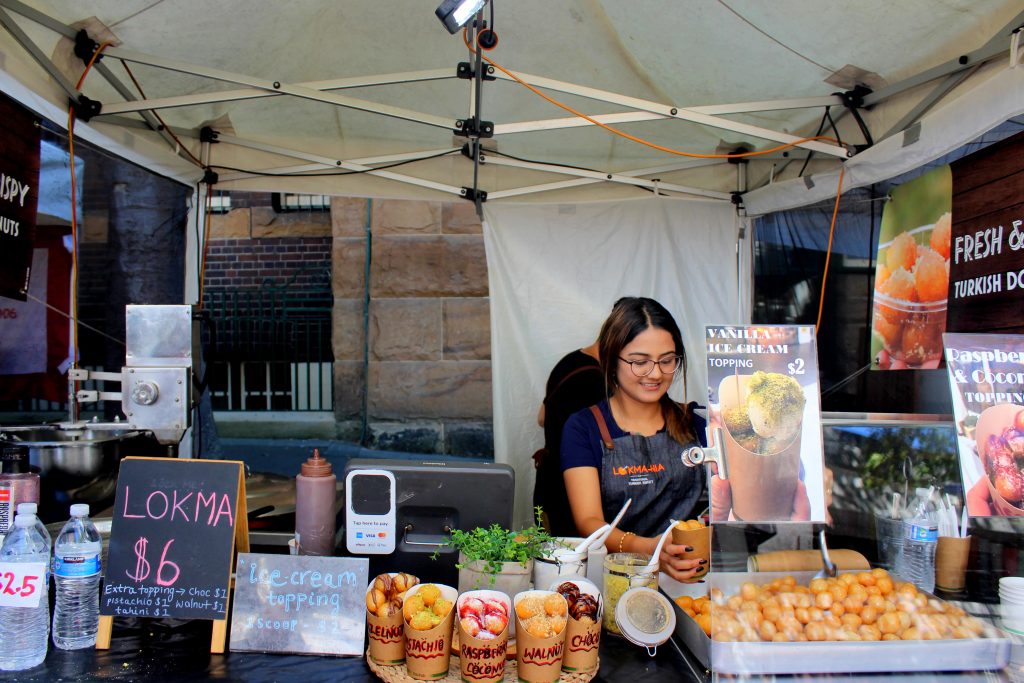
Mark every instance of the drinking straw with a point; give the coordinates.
(895, 512)
(963, 523)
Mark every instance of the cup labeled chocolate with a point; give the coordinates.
(541, 619)
(428, 632)
(583, 630)
(762, 415)
(698, 538)
(483, 635)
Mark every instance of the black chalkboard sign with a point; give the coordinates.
(172, 541)
(299, 604)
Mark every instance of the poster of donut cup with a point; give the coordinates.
(986, 378)
(764, 401)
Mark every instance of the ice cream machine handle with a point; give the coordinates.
(430, 544)
(713, 452)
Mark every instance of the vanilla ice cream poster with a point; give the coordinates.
(986, 376)
(912, 274)
(764, 412)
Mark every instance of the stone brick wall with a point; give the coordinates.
(411, 346)
(248, 263)
(417, 362)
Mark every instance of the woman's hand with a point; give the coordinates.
(672, 563)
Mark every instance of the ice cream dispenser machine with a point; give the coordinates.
(399, 513)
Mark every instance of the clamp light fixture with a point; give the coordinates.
(455, 13)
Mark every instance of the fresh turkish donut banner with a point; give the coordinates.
(986, 376)
(950, 257)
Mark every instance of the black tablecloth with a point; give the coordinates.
(171, 650)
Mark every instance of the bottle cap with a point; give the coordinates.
(22, 521)
(316, 466)
(27, 508)
(80, 510)
(14, 459)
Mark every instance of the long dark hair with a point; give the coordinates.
(630, 316)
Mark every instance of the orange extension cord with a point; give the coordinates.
(620, 133)
(828, 252)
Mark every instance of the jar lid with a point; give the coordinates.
(645, 617)
(316, 466)
(14, 459)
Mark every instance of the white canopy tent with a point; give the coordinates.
(364, 98)
(323, 85)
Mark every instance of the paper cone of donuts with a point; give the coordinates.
(483, 635)
(384, 625)
(428, 612)
(998, 442)
(541, 619)
(583, 629)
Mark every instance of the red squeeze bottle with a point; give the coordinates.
(315, 495)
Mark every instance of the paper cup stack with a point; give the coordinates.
(1011, 599)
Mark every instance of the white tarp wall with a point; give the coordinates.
(555, 271)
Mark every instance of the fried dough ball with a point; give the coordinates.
(429, 592)
(422, 621)
(941, 234)
(931, 276)
(902, 252)
(554, 605)
(412, 606)
(529, 607)
(442, 606)
(538, 626)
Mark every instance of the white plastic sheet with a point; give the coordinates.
(556, 269)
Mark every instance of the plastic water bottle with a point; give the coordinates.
(24, 631)
(76, 571)
(920, 537)
(32, 509)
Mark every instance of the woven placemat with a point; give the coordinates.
(399, 674)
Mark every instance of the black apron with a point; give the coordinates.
(647, 469)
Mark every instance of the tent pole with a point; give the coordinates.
(22, 38)
(598, 176)
(256, 93)
(279, 87)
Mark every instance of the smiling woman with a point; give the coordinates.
(628, 446)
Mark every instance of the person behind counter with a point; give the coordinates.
(575, 383)
(628, 445)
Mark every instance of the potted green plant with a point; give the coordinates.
(498, 559)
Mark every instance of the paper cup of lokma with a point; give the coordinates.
(385, 629)
(541, 619)
(483, 635)
(428, 612)
(583, 628)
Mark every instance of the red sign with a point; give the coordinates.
(19, 193)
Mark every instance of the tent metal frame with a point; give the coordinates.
(324, 91)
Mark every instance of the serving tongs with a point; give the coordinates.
(829, 569)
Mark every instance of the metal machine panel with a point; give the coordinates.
(157, 400)
(158, 336)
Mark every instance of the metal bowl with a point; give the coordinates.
(77, 453)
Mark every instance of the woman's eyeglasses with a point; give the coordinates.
(642, 368)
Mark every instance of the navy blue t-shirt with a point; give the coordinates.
(581, 438)
(644, 469)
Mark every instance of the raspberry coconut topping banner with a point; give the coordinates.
(986, 377)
